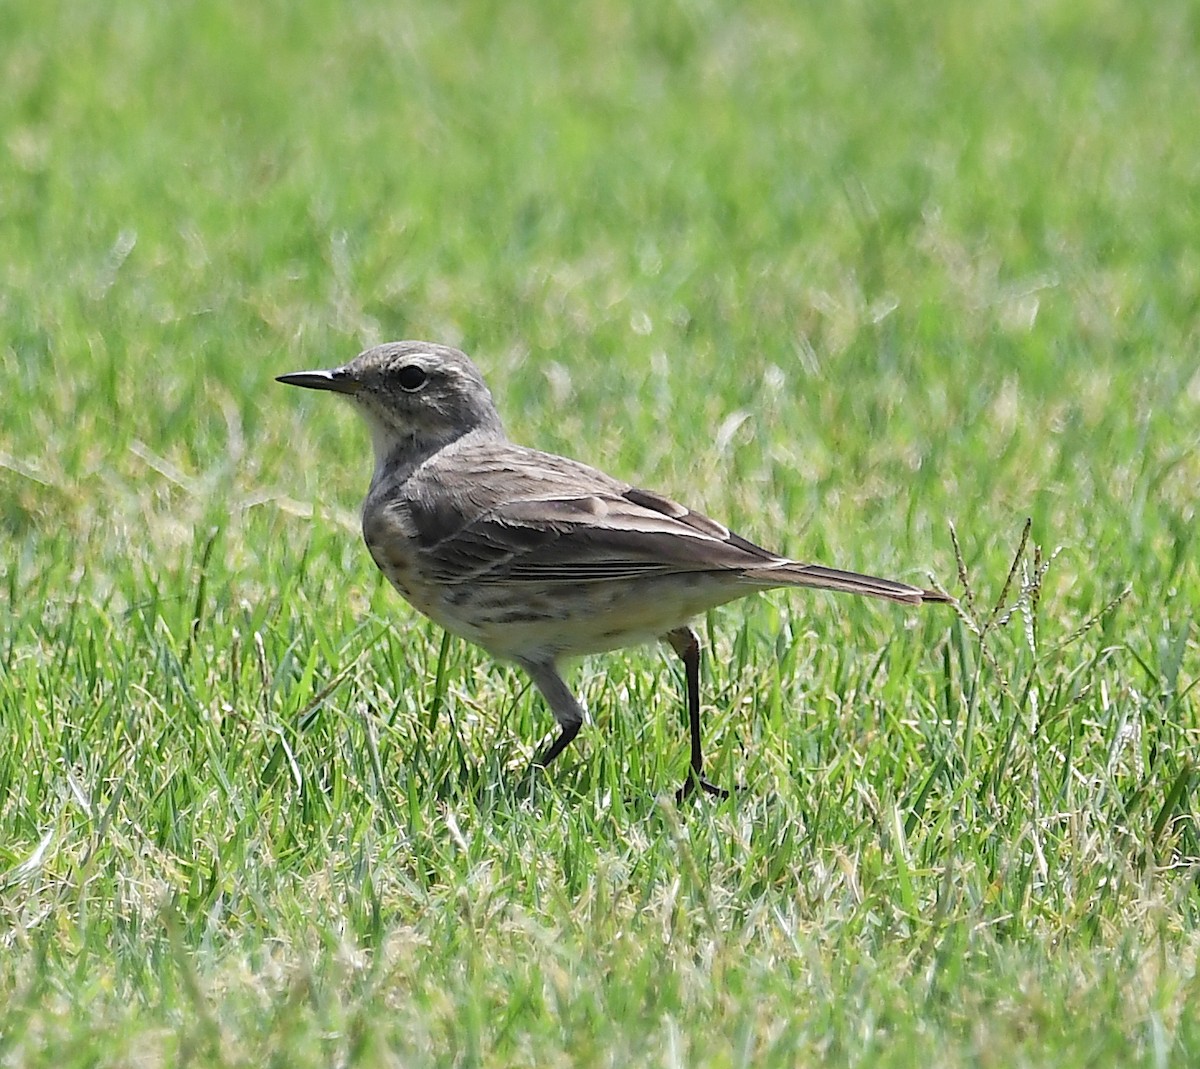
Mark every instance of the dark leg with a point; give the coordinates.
(567, 711)
(683, 640)
(554, 748)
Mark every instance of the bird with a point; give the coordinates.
(535, 557)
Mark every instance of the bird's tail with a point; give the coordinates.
(794, 573)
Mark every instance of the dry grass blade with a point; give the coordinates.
(1002, 600)
(1092, 620)
(965, 606)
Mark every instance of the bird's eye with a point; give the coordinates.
(411, 377)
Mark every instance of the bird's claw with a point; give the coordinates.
(695, 780)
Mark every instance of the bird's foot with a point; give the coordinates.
(695, 780)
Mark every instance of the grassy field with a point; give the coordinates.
(841, 275)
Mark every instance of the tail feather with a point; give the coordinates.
(794, 573)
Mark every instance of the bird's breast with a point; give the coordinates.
(393, 545)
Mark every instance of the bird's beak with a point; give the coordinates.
(338, 380)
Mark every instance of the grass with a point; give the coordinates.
(843, 276)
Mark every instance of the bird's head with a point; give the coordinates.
(416, 396)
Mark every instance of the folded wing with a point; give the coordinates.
(629, 534)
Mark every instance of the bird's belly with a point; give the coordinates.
(522, 620)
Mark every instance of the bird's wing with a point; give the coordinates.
(563, 522)
(587, 538)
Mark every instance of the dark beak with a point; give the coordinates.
(337, 380)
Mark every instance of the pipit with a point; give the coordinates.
(536, 557)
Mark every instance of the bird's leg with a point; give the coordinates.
(552, 749)
(683, 640)
(567, 711)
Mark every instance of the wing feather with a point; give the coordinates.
(589, 539)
